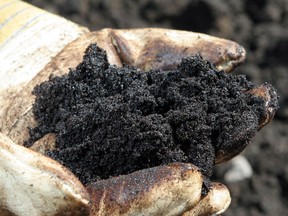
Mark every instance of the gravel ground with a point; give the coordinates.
(261, 26)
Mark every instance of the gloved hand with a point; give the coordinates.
(33, 184)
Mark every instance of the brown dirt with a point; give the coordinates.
(261, 26)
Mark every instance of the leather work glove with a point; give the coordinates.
(35, 45)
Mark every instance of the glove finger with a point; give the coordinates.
(154, 48)
(214, 203)
(162, 190)
(33, 184)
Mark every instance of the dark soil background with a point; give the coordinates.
(261, 26)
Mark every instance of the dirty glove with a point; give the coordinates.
(33, 184)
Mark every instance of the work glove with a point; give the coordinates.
(34, 184)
